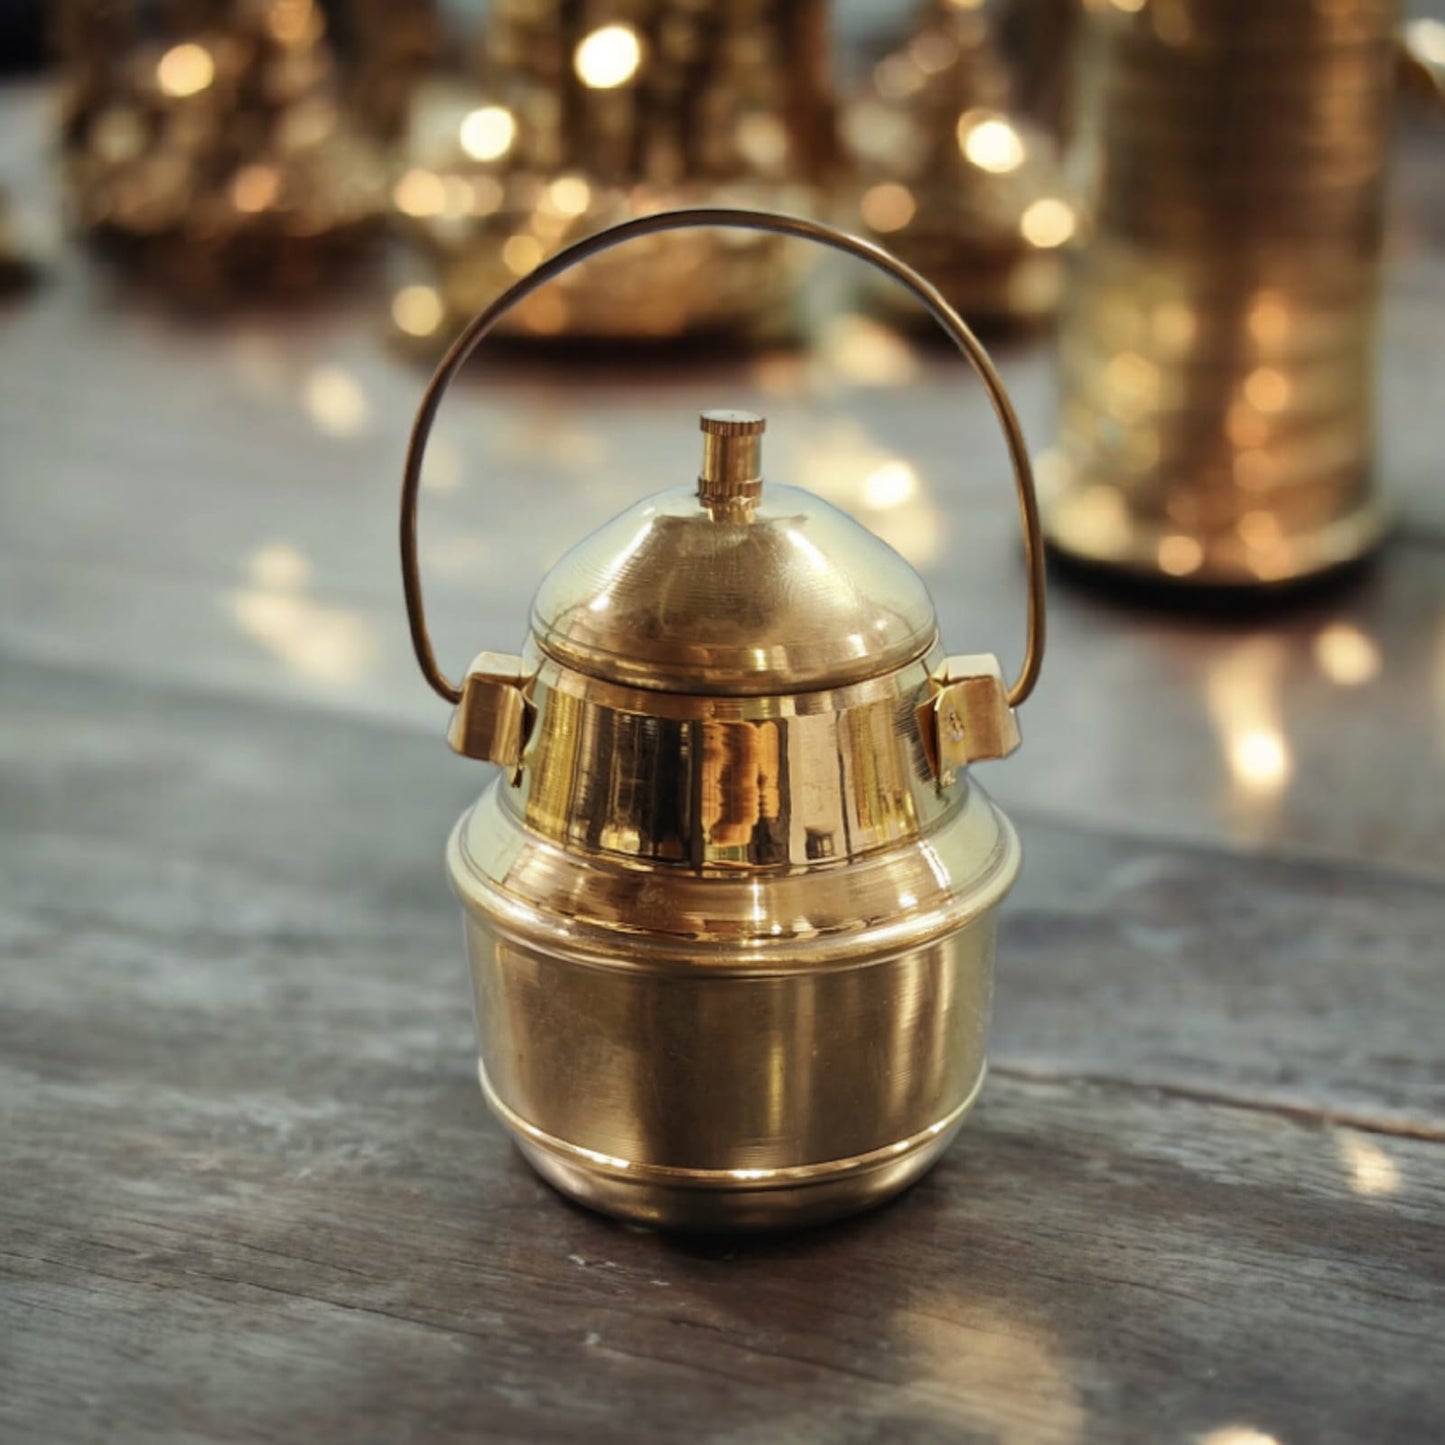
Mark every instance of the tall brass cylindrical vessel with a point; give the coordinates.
(1217, 342)
(731, 904)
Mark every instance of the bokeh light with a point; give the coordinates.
(608, 57)
(185, 70)
(487, 133)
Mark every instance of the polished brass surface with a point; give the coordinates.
(723, 1199)
(784, 594)
(481, 325)
(732, 955)
(722, 782)
(953, 178)
(494, 716)
(731, 909)
(831, 869)
(730, 479)
(768, 1048)
(967, 719)
(1217, 344)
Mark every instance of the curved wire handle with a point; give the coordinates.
(698, 216)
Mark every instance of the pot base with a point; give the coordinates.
(729, 1199)
(1205, 560)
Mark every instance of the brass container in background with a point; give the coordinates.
(731, 904)
(1217, 412)
(587, 115)
(953, 178)
(206, 144)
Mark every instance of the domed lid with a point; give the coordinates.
(733, 588)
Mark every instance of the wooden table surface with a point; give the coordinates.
(250, 1190)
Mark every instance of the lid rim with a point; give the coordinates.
(795, 596)
(801, 682)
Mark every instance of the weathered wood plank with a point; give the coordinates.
(1089, 1263)
(250, 1192)
(1305, 985)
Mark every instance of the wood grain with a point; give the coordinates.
(252, 1194)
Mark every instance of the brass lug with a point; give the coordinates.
(494, 717)
(967, 718)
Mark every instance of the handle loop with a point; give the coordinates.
(478, 328)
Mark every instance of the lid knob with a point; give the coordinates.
(731, 477)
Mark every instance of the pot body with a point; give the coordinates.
(732, 956)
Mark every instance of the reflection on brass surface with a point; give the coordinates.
(723, 1199)
(1217, 414)
(211, 149)
(953, 179)
(586, 116)
(755, 783)
(730, 480)
(790, 595)
(731, 909)
(968, 718)
(494, 716)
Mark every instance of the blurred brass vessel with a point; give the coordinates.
(588, 115)
(396, 43)
(206, 144)
(953, 178)
(731, 903)
(1217, 414)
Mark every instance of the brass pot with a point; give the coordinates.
(731, 903)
